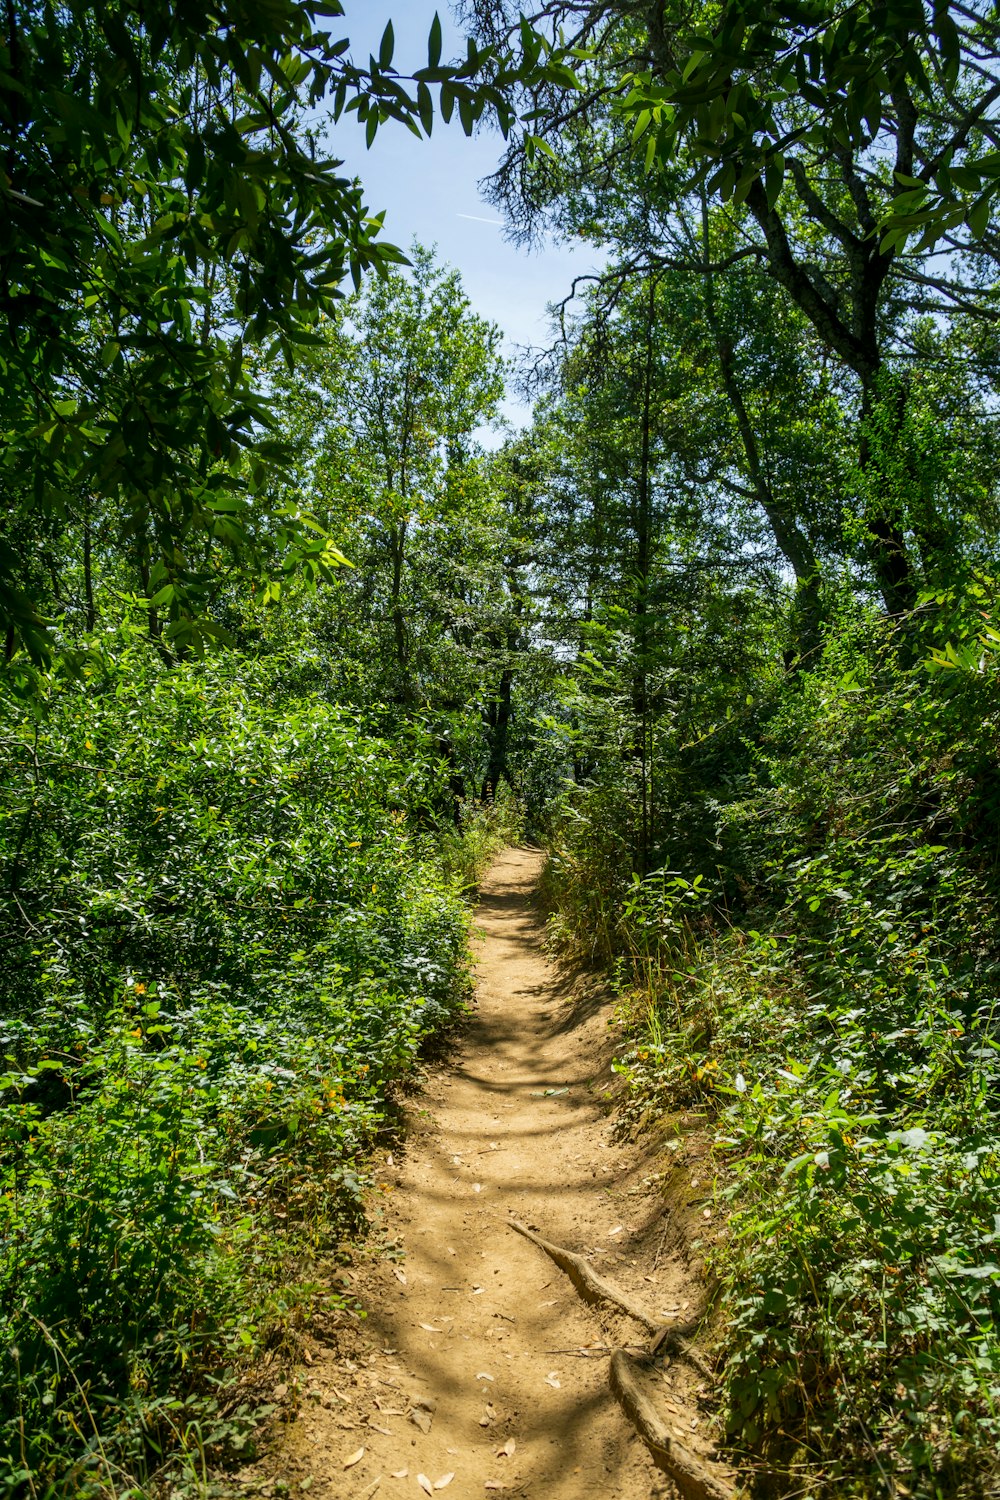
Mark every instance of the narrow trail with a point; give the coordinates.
(477, 1358)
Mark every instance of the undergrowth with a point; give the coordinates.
(831, 996)
(228, 929)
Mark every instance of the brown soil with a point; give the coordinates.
(477, 1358)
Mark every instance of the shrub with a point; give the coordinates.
(229, 931)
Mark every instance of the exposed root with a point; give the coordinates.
(591, 1286)
(695, 1479)
(595, 1288)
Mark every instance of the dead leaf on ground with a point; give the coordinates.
(421, 1419)
(376, 1482)
(399, 1275)
(429, 1328)
(385, 1431)
(355, 1458)
(483, 1376)
(553, 1380)
(494, 1484)
(400, 1473)
(425, 1484)
(508, 1449)
(444, 1481)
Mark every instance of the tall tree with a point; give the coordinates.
(163, 208)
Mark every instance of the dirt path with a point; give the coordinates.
(473, 1334)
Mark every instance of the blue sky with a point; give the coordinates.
(429, 188)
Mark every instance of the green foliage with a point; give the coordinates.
(166, 212)
(745, 84)
(226, 941)
(830, 997)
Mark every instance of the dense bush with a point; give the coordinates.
(226, 938)
(830, 995)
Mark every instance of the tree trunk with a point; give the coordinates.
(499, 727)
(793, 542)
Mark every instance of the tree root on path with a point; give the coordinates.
(591, 1286)
(594, 1288)
(694, 1478)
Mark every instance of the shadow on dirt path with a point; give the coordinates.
(476, 1358)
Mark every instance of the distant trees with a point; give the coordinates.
(388, 414)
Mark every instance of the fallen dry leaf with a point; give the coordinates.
(399, 1275)
(400, 1473)
(507, 1451)
(553, 1380)
(443, 1482)
(421, 1419)
(425, 1484)
(355, 1458)
(429, 1328)
(376, 1482)
(483, 1376)
(385, 1431)
(494, 1484)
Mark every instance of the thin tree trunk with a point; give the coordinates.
(793, 542)
(500, 727)
(88, 574)
(643, 560)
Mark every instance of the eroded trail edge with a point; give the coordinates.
(478, 1369)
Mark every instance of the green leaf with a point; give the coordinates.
(387, 47)
(978, 216)
(434, 42)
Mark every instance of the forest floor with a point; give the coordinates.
(476, 1358)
